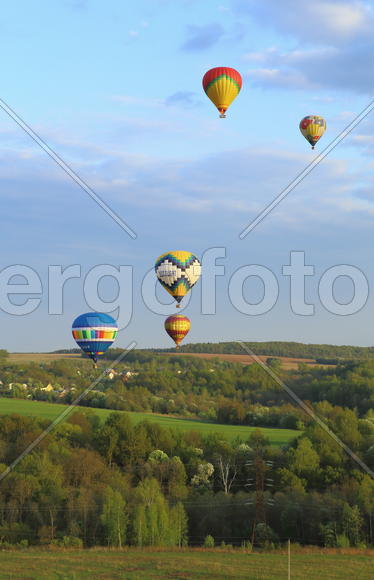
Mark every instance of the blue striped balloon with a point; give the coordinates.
(94, 332)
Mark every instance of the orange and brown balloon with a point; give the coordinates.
(177, 326)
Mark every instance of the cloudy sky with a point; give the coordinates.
(114, 89)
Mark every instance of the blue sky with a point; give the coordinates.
(115, 89)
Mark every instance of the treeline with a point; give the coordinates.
(90, 483)
(287, 349)
(324, 352)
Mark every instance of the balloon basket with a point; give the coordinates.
(178, 306)
(222, 116)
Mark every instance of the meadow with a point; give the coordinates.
(39, 357)
(277, 437)
(150, 564)
(288, 363)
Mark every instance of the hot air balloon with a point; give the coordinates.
(177, 272)
(313, 127)
(94, 332)
(222, 85)
(177, 326)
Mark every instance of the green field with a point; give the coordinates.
(136, 564)
(39, 357)
(278, 437)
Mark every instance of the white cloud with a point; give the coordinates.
(363, 139)
(317, 21)
(321, 99)
(232, 185)
(341, 19)
(268, 77)
(261, 56)
(350, 68)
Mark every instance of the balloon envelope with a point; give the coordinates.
(94, 332)
(312, 127)
(178, 272)
(177, 326)
(222, 85)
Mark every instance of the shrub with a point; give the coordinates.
(72, 542)
(67, 542)
(209, 541)
(247, 546)
(342, 541)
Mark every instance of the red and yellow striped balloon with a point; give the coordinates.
(177, 326)
(222, 85)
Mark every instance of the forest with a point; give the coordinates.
(290, 349)
(113, 483)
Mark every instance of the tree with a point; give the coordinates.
(151, 521)
(289, 480)
(202, 477)
(352, 524)
(259, 442)
(177, 477)
(155, 524)
(107, 441)
(304, 460)
(328, 533)
(366, 500)
(227, 466)
(140, 526)
(274, 363)
(114, 518)
(51, 491)
(178, 525)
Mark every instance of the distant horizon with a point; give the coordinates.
(157, 348)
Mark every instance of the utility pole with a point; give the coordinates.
(260, 482)
(260, 515)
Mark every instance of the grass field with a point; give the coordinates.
(38, 357)
(136, 564)
(278, 437)
(288, 363)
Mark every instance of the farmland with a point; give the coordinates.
(148, 564)
(278, 437)
(39, 357)
(288, 363)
